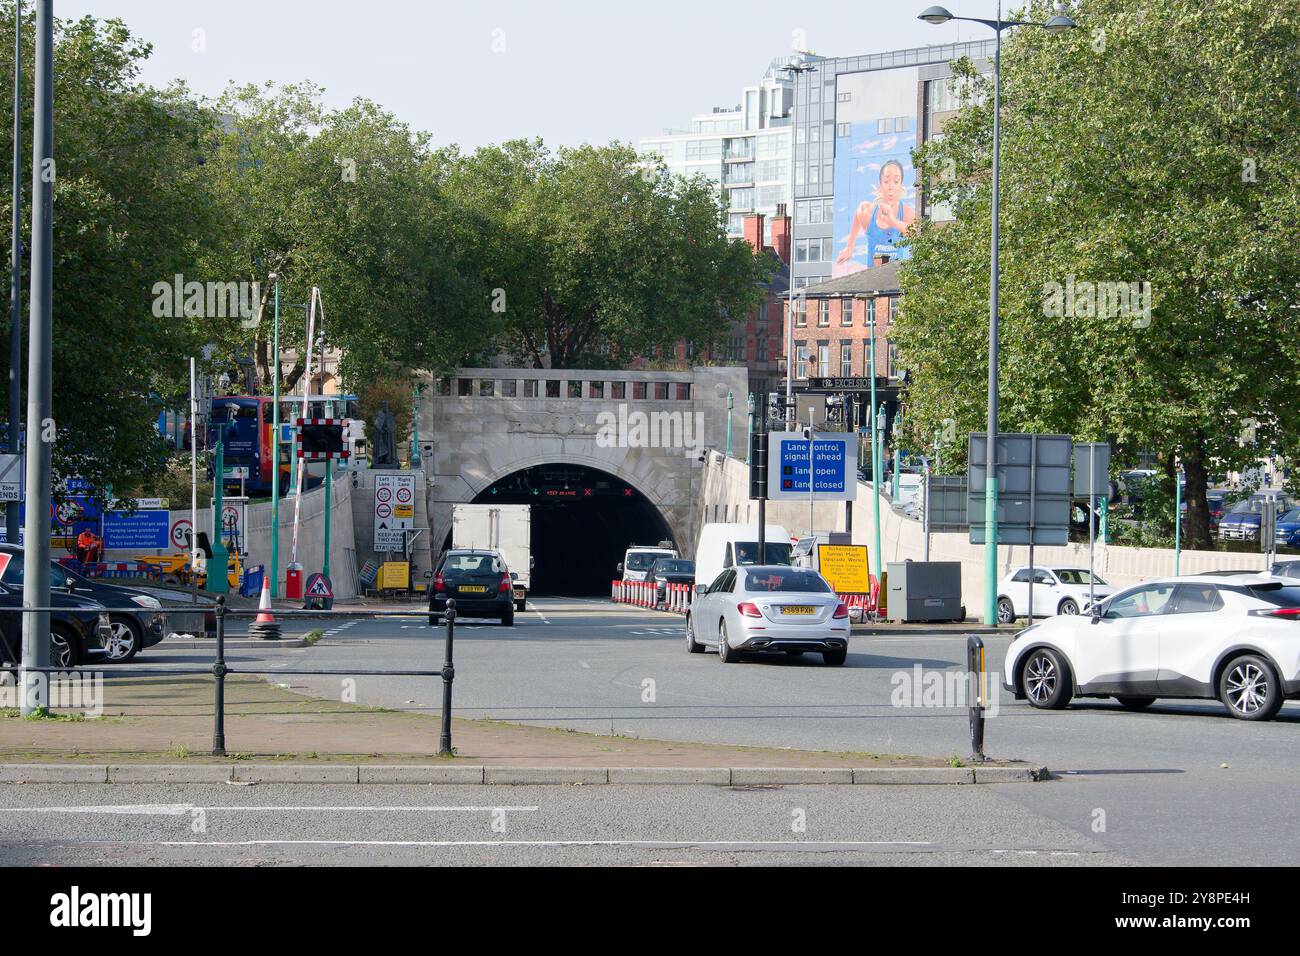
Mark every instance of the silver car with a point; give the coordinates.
(770, 608)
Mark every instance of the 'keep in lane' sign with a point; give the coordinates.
(834, 466)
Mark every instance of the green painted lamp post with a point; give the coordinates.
(1057, 24)
(749, 428)
(217, 582)
(1178, 520)
(731, 402)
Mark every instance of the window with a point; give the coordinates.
(1021, 576)
(1144, 602)
(801, 361)
(760, 348)
(891, 357)
(823, 312)
(553, 388)
(869, 312)
(683, 390)
(824, 361)
(661, 391)
(618, 389)
(846, 311)
(530, 388)
(595, 389)
(845, 97)
(509, 388)
(638, 390)
(891, 307)
(801, 311)
(575, 389)
(1198, 599)
(485, 388)
(464, 387)
(846, 359)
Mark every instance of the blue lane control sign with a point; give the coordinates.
(834, 466)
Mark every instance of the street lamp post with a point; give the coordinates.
(794, 69)
(1056, 24)
(275, 444)
(16, 276)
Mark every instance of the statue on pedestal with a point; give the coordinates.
(383, 441)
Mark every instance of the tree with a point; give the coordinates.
(129, 211)
(593, 257)
(1156, 145)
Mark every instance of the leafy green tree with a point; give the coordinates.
(594, 257)
(1158, 144)
(130, 210)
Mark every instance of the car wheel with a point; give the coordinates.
(435, 620)
(1006, 611)
(521, 605)
(508, 618)
(835, 658)
(725, 653)
(692, 645)
(64, 652)
(1249, 688)
(124, 641)
(1135, 703)
(1045, 680)
(1068, 606)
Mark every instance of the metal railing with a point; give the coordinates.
(220, 669)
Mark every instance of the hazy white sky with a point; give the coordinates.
(481, 71)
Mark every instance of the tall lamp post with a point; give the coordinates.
(16, 276)
(1057, 24)
(275, 444)
(794, 69)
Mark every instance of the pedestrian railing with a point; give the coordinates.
(220, 669)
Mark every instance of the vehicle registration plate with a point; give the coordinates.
(797, 609)
(472, 588)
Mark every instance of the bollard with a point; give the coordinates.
(219, 683)
(975, 677)
(448, 675)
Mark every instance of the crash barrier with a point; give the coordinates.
(220, 669)
(975, 667)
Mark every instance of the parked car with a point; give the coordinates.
(668, 571)
(1286, 569)
(1241, 522)
(724, 545)
(1236, 638)
(132, 631)
(1056, 591)
(638, 560)
(79, 628)
(1288, 528)
(479, 581)
(768, 608)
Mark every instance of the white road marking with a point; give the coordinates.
(652, 844)
(585, 664)
(545, 619)
(179, 809)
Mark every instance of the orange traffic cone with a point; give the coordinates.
(266, 625)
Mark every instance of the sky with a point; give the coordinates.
(484, 71)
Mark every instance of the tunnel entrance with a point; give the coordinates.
(583, 520)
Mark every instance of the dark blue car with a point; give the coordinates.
(1241, 522)
(1288, 529)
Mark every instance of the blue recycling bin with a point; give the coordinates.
(251, 583)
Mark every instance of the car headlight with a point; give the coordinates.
(145, 600)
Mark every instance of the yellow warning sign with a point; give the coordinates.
(845, 567)
(404, 511)
(394, 575)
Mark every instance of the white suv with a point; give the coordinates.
(1204, 636)
(1056, 591)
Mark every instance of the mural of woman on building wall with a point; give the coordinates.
(885, 220)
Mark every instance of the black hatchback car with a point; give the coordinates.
(79, 629)
(132, 631)
(668, 571)
(478, 580)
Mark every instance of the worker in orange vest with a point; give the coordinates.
(86, 546)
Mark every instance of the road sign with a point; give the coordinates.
(1098, 455)
(394, 511)
(1033, 473)
(320, 439)
(319, 594)
(844, 566)
(948, 501)
(233, 524)
(139, 529)
(11, 477)
(180, 533)
(834, 457)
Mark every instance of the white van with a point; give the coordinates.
(637, 561)
(723, 546)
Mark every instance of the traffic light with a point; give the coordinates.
(758, 466)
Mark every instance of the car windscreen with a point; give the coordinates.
(1077, 576)
(641, 560)
(774, 552)
(1287, 596)
(675, 567)
(799, 580)
(469, 564)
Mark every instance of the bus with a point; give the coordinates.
(244, 424)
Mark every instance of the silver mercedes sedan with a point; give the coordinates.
(768, 608)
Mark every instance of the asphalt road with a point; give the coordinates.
(1179, 784)
(502, 825)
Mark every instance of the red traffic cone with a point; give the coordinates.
(266, 625)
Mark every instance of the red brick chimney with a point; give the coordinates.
(781, 233)
(880, 258)
(754, 231)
